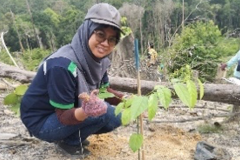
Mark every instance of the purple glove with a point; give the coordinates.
(92, 105)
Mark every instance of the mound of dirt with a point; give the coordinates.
(160, 142)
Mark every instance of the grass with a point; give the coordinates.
(209, 128)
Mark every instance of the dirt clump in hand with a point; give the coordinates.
(92, 105)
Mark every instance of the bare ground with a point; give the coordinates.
(172, 135)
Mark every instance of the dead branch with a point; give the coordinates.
(198, 118)
(197, 106)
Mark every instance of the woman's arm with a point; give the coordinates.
(71, 116)
(233, 60)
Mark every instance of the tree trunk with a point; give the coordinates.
(4, 45)
(18, 34)
(123, 62)
(38, 39)
(225, 93)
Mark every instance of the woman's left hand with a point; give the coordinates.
(92, 105)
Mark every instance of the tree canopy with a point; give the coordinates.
(180, 27)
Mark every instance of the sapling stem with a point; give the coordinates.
(141, 115)
(140, 118)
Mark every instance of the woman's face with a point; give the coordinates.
(102, 42)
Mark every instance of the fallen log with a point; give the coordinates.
(225, 93)
(21, 75)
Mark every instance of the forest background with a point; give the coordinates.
(197, 33)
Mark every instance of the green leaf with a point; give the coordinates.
(192, 89)
(152, 106)
(182, 92)
(11, 99)
(118, 108)
(164, 95)
(104, 95)
(16, 109)
(126, 116)
(129, 101)
(175, 80)
(139, 105)
(135, 141)
(158, 87)
(20, 90)
(102, 89)
(201, 89)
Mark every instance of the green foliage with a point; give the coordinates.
(164, 95)
(228, 47)
(126, 30)
(4, 57)
(135, 141)
(138, 106)
(187, 93)
(20, 90)
(34, 56)
(53, 16)
(56, 21)
(126, 116)
(71, 19)
(201, 89)
(198, 47)
(132, 107)
(209, 128)
(11, 36)
(184, 73)
(152, 106)
(103, 93)
(13, 99)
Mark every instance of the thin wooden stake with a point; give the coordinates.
(141, 116)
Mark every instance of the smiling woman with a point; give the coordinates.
(51, 109)
(103, 41)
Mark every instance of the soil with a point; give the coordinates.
(172, 135)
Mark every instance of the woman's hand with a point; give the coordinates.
(223, 66)
(92, 105)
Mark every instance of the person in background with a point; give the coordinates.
(152, 55)
(233, 61)
(61, 104)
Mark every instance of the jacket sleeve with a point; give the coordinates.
(118, 95)
(233, 60)
(66, 116)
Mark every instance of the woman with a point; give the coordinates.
(51, 109)
(233, 61)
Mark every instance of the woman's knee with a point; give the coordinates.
(112, 118)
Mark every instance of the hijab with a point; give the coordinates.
(93, 68)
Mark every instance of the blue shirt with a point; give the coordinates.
(54, 86)
(234, 60)
(55, 89)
